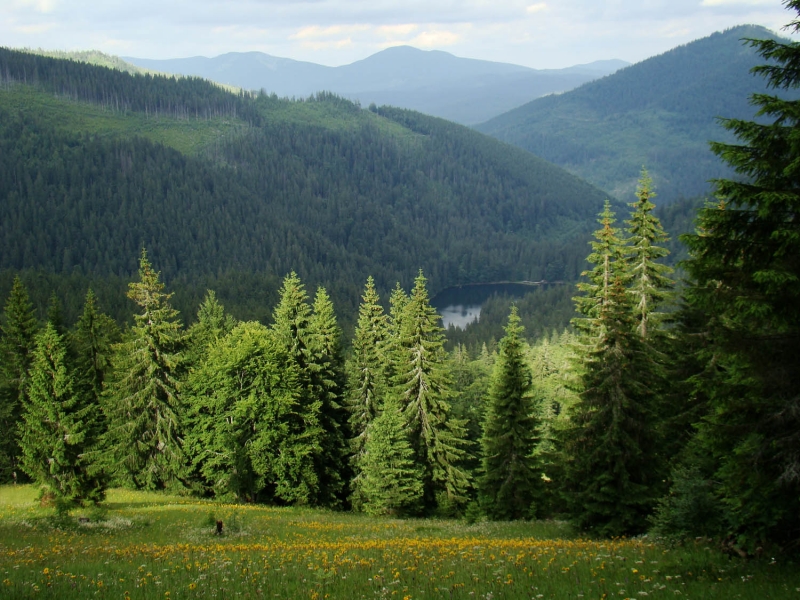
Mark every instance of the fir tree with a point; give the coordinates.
(142, 400)
(16, 349)
(424, 390)
(57, 427)
(744, 299)
(650, 283)
(511, 480)
(366, 376)
(391, 480)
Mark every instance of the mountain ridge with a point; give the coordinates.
(435, 82)
(659, 113)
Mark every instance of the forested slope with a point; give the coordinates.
(97, 163)
(660, 112)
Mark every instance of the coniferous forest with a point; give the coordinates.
(670, 404)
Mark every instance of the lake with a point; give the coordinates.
(461, 305)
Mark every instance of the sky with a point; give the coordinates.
(534, 33)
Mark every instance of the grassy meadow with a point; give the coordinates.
(151, 545)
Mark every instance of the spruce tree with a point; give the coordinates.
(366, 376)
(423, 389)
(142, 402)
(612, 475)
(608, 252)
(510, 480)
(743, 298)
(16, 350)
(212, 323)
(391, 479)
(326, 363)
(650, 284)
(91, 342)
(291, 323)
(58, 428)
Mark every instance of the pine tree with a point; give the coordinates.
(366, 376)
(423, 388)
(142, 401)
(16, 351)
(612, 473)
(744, 299)
(391, 481)
(57, 427)
(650, 283)
(511, 480)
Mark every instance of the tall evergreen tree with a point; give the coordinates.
(510, 481)
(326, 362)
(291, 324)
(212, 323)
(650, 283)
(608, 252)
(744, 297)
(391, 479)
(91, 342)
(16, 351)
(613, 478)
(423, 388)
(58, 427)
(142, 401)
(366, 376)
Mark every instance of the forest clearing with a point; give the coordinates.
(153, 545)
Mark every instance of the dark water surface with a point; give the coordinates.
(461, 305)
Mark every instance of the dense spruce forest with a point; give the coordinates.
(659, 112)
(224, 188)
(666, 407)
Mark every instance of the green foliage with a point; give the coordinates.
(367, 384)
(326, 367)
(142, 399)
(245, 437)
(743, 298)
(612, 473)
(16, 350)
(391, 481)
(650, 282)
(608, 252)
(510, 480)
(229, 189)
(58, 426)
(660, 112)
(423, 388)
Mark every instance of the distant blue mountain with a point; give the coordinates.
(434, 82)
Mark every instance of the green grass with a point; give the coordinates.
(150, 545)
(188, 136)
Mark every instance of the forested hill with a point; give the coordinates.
(660, 112)
(224, 188)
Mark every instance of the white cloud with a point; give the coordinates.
(736, 2)
(535, 8)
(435, 39)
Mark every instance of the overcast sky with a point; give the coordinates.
(534, 33)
